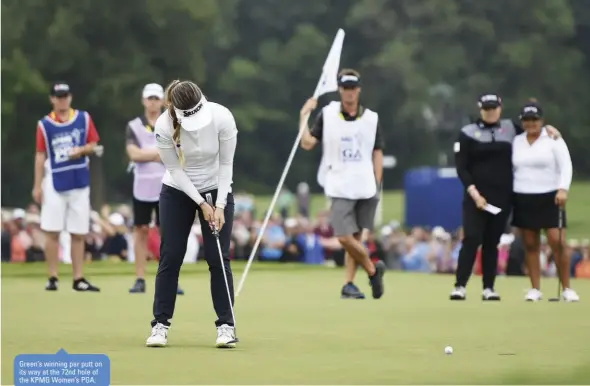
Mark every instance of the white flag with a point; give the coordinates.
(329, 79)
(329, 83)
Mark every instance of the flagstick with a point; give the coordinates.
(272, 205)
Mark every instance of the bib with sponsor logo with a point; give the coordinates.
(60, 138)
(347, 163)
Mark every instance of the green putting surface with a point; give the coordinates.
(294, 329)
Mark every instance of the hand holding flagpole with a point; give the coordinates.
(328, 83)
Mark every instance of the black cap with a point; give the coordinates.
(349, 80)
(489, 101)
(531, 110)
(60, 89)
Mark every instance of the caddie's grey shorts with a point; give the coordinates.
(352, 216)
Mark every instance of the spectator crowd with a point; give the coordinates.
(296, 238)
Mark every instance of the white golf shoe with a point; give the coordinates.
(226, 337)
(569, 295)
(159, 336)
(533, 295)
(489, 294)
(458, 293)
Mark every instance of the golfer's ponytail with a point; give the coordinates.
(175, 122)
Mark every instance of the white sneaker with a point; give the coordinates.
(533, 295)
(490, 294)
(458, 293)
(226, 337)
(569, 295)
(159, 337)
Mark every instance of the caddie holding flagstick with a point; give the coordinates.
(352, 170)
(326, 84)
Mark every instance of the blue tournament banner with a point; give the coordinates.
(62, 368)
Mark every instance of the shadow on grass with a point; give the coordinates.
(580, 376)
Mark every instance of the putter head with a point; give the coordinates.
(553, 299)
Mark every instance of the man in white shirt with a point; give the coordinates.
(542, 178)
(196, 140)
(353, 165)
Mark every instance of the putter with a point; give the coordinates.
(216, 234)
(560, 225)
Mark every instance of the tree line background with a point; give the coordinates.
(423, 63)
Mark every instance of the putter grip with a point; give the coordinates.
(209, 199)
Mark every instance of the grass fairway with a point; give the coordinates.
(294, 329)
(578, 208)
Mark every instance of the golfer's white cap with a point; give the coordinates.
(153, 90)
(197, 117)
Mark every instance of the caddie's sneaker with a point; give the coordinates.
(569, 295)
(489, 294)
(458, 293)
(138, 287)
(83, 285)
(533, 295)
(226, 336)
(351, 291)
(159, 336)
(376, 280)
(51, 284)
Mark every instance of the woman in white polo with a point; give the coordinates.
(542, 179)
(196, 140)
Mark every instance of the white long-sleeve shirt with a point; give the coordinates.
(208, 155)
(541, 167)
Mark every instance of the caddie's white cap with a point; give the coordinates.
(153, 90)
(197, 117)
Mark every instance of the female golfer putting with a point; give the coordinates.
(542, 178)
(196, 140)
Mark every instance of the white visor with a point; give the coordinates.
(196, 117)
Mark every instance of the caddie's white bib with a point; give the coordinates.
(346, 170)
